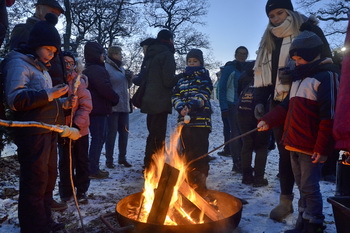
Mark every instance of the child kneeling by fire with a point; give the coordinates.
(307, 113)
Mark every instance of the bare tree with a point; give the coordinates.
(334, 14)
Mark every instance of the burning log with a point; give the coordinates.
(199, 201)
(163, 195)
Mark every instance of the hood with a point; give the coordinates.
(92, 52)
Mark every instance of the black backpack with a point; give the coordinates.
(246, 102)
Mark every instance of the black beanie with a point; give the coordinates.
(195, 53)
(307, 46)
(275, 4)
(165, 35)
(44, 33)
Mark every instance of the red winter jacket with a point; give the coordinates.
(341, 130)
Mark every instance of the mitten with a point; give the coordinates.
(259, 111)
(71, 133)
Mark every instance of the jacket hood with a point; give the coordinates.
(92, 52)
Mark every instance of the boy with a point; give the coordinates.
(31, 97)
(308, 114)
(191, 97)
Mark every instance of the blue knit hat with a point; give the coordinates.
(307, 46)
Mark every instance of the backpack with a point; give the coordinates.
(246, 101)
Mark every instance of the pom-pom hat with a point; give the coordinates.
(44, 33)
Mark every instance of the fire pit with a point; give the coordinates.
(230, 208)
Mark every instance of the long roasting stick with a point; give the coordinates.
(55, 128)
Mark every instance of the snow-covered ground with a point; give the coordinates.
(104, 194)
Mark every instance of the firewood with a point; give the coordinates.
(163, 194)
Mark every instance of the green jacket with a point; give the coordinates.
(160, 75)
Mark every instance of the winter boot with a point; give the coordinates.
(283, 209)
(314, 228)
(300, 225)
(247, 177)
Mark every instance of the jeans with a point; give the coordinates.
(98, 131)
(117, 122)
(307, 177)
(235, 146)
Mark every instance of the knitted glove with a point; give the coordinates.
(285, 76)
(70, 102)
(259, 111)
(71, 133)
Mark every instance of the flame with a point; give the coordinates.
(169, 155)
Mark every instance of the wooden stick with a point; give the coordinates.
(163, 194)
(199, 201)
(55, 128)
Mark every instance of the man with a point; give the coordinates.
(156, 103)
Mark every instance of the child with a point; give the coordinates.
(191, 97)
(29, 93)
(80, 147)
(307, 113)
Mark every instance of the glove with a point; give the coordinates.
(70, 102)
(284, 74)
(259, 111)
(71, 133)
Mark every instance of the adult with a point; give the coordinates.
(118, 120)
(284, 25)
(103, 98)
(31, 96)
(3, 18)
(159, 72)
(228, 97)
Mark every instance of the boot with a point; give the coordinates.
(314, 228)
(247, 177)
(300, 225)
(283, 209)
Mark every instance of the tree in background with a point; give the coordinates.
(333, 13)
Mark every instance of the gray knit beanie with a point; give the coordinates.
(195, 53)
(307, 45)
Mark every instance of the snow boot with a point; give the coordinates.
(283, 209)
(247, 177)
(300, 225)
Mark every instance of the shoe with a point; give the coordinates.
(58, 206)
(55, 226)
(260, 182)
(247, 179)
(100, 175)
(110, 165)
(66, 199)
(224, 153)
(125, 163)
(211, 158)
(82, 198)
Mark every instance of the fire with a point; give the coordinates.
(152, 177)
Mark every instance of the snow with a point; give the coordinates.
(104, 194)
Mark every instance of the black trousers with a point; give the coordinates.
(156, 125)
(37, 156)
(80, 166)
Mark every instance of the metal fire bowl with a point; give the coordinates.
(229, 206)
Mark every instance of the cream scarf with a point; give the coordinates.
(263, 66)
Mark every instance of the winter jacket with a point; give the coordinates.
(228, 84)
(341, 129)
(102, 94)
(120, 85)
(82, 110)
(193, 88)
(26, 84)
(308, 110)
(160, 66)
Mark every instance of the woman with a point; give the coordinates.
(284, 25)
(118, 120)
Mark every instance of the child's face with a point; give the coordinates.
(46, 53)
(69, 63)
(299, 61)
(193, 62)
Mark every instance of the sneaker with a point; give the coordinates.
(100, 175)
(58, 206)
(110, 165)
(260, 182)
(224, 153)
(125, 163)
(82, 198)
